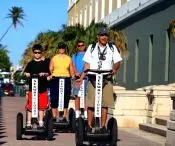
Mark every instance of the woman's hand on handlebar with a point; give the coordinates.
(49, 77)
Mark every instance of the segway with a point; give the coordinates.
(111, 134)
(59, 123)
(47, 130)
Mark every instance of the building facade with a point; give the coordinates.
(84, 11)
(146, 26)
(146, 77)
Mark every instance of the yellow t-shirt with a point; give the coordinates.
(61, 66)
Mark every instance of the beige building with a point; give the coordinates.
(84, 11)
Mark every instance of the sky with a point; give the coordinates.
(41, 16)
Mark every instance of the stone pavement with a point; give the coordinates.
(10, 106)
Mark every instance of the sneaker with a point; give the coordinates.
(41, 127)
(64, 120)
(103, 129)
(89, 129)
(41, 124)
(28, 126)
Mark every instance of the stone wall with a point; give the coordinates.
(133, 107)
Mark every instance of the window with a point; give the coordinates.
(150, 57)
(167, 53)
(136, 60)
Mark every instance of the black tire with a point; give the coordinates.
(79, 135)
(19, 126)
(72, 120)
(113, 128)
(49, 125)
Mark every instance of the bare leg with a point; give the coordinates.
(29, 118)
(41, 115)
(65, 113)
(54, 112)
(104, 116)
(90, 116)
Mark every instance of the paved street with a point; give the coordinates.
(9, 106)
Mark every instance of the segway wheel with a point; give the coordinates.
(72, 120)
(113, 128)
(79, 135)
(49, 125)
(19, 126)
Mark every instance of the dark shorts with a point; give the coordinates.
(54, 92)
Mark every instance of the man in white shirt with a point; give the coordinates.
(101, 56)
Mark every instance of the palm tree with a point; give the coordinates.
(4, 58)
(16, 14)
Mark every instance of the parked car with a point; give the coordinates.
(8, 89)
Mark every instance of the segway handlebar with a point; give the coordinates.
(78, 77)
(37, 76)
(96, 71)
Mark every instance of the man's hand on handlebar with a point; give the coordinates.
(79, 82)
(114, 71)
(77, 74)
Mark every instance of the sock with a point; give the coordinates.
(41, 123)
(85, 114)
(77, 113)
(28, 123)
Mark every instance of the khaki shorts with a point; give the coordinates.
(107, 101)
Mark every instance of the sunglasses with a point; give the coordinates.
(103, 35)
(62, 48)
(37, 52)
(80, 45)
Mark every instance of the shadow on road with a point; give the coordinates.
(2, 127)
(38, 137)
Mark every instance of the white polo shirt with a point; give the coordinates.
(112, 57)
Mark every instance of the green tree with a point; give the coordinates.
(5, 63)
(16, 14)
(70, 34)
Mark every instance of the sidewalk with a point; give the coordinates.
(10, 106)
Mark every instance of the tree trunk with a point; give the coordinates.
(6, 32)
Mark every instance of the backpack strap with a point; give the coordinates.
(111, 46)
(93, 47)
